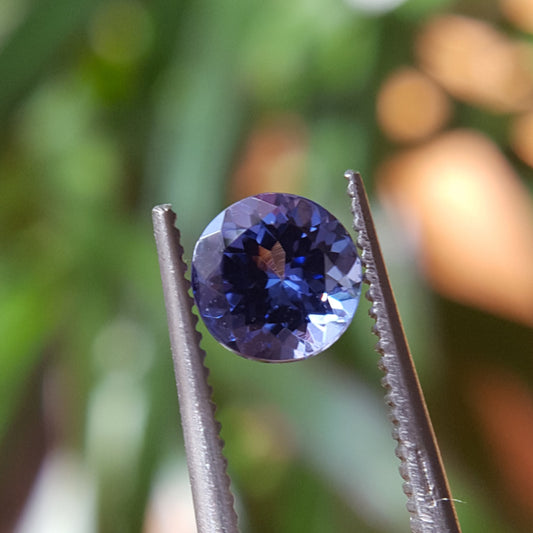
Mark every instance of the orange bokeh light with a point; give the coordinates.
(470, 218)
(477, 63)
(410, 106)
(519, 13)
(522, 137)
(503, 405)
(273, 160)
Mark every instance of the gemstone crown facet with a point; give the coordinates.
(276, 277)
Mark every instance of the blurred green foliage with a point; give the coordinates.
(109, 108)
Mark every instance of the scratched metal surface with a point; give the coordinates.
(425, 484)
(213, 501)
(428, 495)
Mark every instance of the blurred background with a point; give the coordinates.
(110, 107)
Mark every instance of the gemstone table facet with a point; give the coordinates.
(276, 278)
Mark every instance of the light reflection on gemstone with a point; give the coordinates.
(276, 277)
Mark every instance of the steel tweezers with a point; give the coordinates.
(429, 501)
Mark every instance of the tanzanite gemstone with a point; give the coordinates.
(276, 277)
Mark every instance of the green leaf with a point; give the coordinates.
(36, 43)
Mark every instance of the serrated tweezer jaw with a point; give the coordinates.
(429, 498)
(213, 501)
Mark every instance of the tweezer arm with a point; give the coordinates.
(213, 501)
(426, 487)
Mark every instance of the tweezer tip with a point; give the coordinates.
(163, 216)
(355, 184)
(351, 174)
(162, 209)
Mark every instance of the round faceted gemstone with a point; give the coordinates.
(276, 277)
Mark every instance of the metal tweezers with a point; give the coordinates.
(429, 500)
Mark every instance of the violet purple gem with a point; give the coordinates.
(276, 278)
